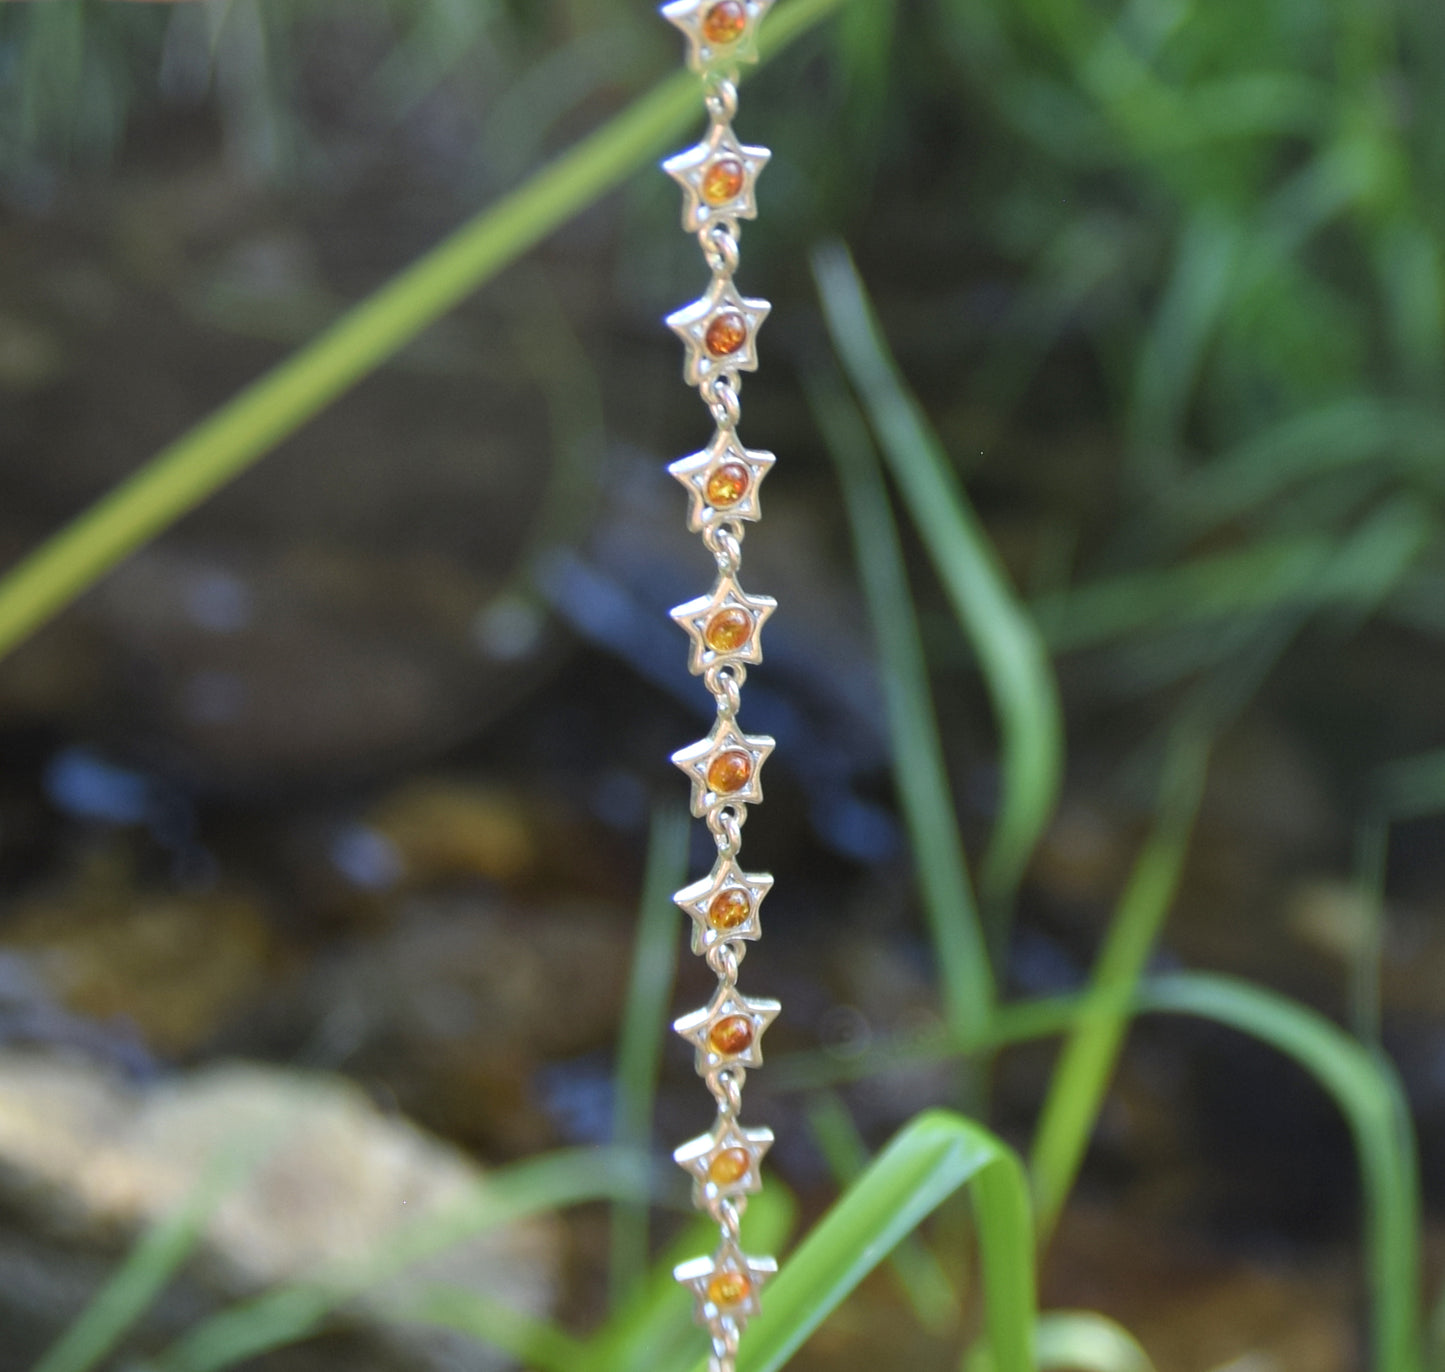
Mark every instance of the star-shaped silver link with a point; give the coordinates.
(714, 621)
(724, 741)
(728, 1030)
(721, 305)
(712, 474)
(710, 164)
(739, 1274)
(728, 885)
(713, 1158)
(692, 17)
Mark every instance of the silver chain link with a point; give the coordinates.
(719, 331)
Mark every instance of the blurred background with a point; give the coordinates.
(333, 802)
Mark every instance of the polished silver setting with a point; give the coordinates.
(702, 56)
(692, 323)
(697, 1156)
(697, 759)
(697, 470)
(696, 615)
(727, 1004)
(725, 1286)
(698, 898)
(689, 169)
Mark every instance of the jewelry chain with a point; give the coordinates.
(719, 332)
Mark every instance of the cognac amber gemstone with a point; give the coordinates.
(728, 484)
(722, 180)
(729, 772)
(731, 1036)
(731, 1165)
(725, 22)
(726, 334)
(728, 630)
(728, 1289)
(729, 909)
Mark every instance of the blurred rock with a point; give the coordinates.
(236, 670)
(88, 1162)
(1196, 1309)
(444, 830)
(175, 966)
(454, 1007)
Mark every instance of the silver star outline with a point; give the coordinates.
(695, 470)
(699, 1272)
(688, 16)
(726, 875)
(726, 1002)
(695, 759)
(691, 324)
(695, 616)
(696, 1157)
(689, 169)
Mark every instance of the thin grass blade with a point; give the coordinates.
(1368, 1092)
(288, 1314)
(1081, 1078)
(921, 1280)
(1009, 648)
(639, 1054)
(536, 1344)
(149, 1267)
(918, 771)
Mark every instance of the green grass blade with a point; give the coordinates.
(1367, 950)
(1081, 1341)
(921, 1280)
(1172, 355)
(291, 1313)
(1308, 570)
(1077, 1341)
(245, 429)
(1367, 1091)
(639, 1054)
(933, 1157)
(918, 771)
(1081, 1078)
(1009, 647)
(536, 1344)
(148, 1268)
(1363, 1086)
(1353, 432)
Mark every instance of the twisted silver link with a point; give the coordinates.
(720, 248)
(720, 94)
(726, 824)
(726, 685)
(729, 1091)
(717, 177)
(724, 540)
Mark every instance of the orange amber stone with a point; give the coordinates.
(725, 22)
(731, 1165)
(726, 334)
(729, 771)
(722, 180)
(729, 909)
(728, 630)
(728, 484)
(731, 1036)
(729, 1289)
